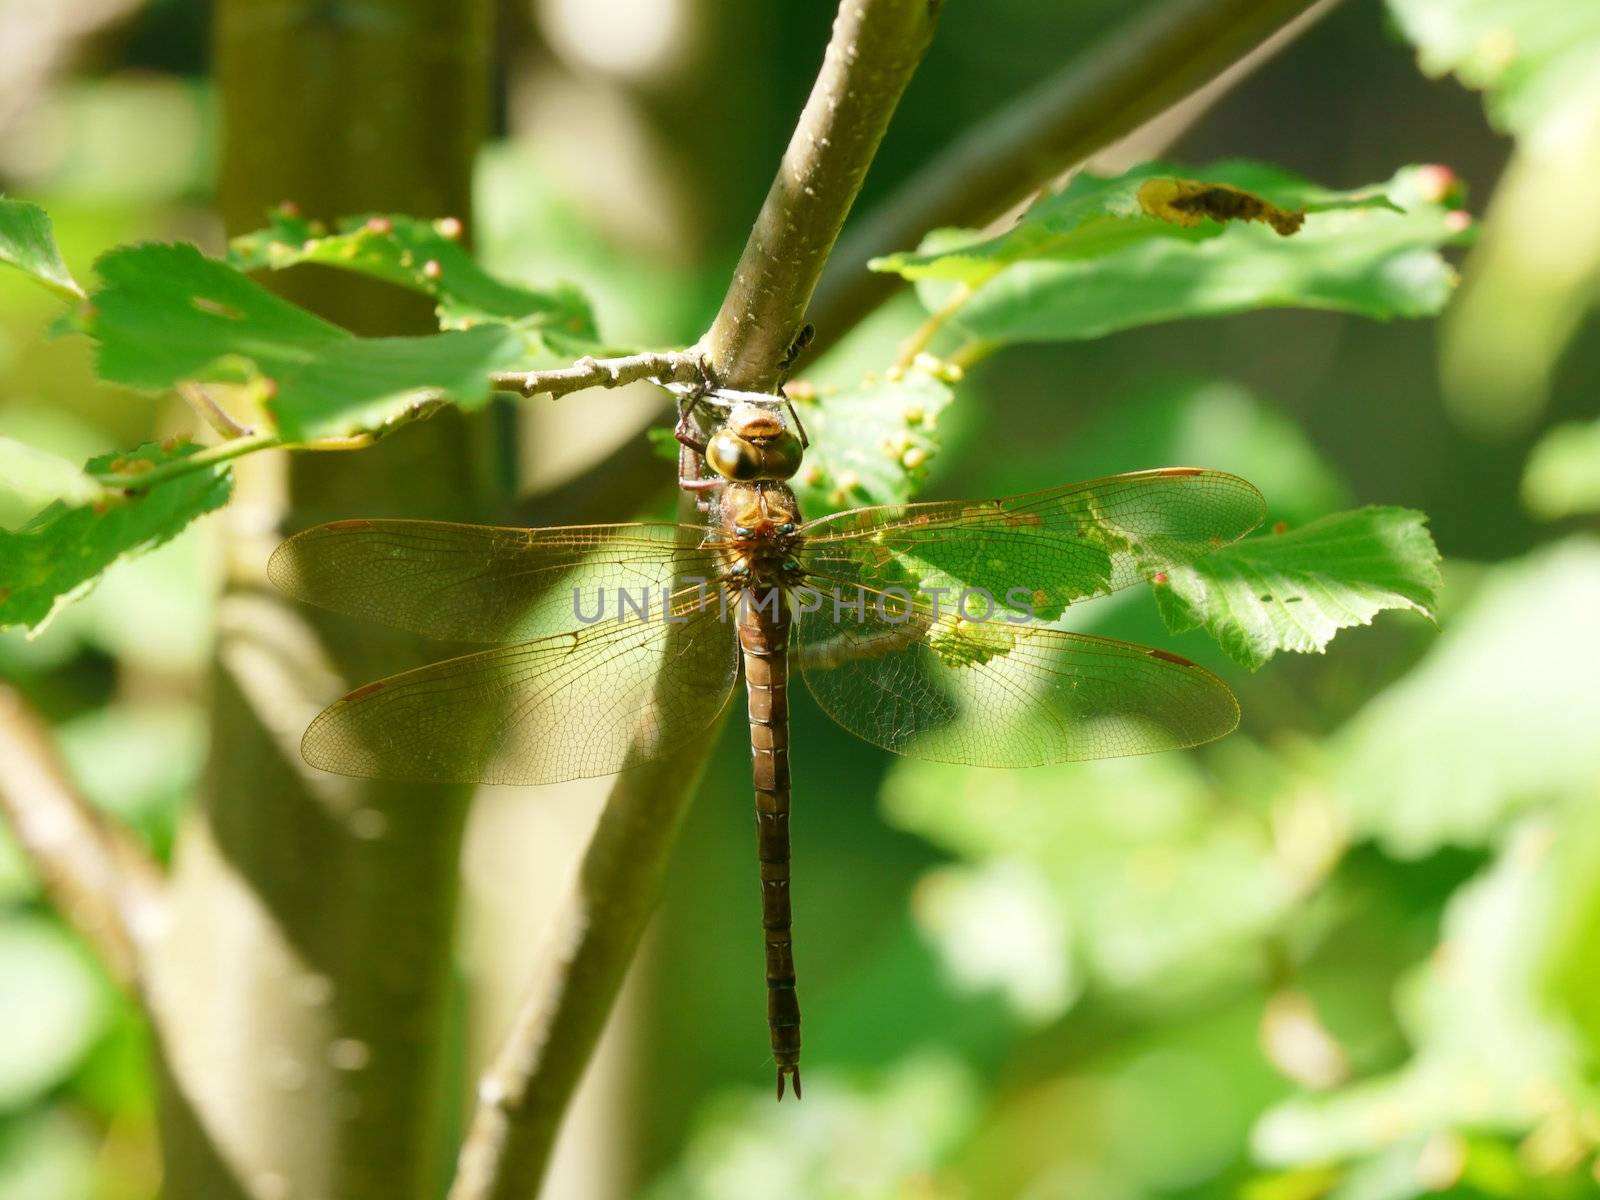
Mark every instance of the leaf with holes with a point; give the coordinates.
(59, 554)
(166, 313)
(1295, 590)
(1093, 216)
(27, 243)
(1097, 263)
(427, 257)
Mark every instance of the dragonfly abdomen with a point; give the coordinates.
(764, 638)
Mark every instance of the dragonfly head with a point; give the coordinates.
(755, 443)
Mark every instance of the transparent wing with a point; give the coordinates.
(995, 694)
(570, 706)
(481, 583)
(1041, 549)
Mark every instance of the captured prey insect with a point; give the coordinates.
(926, 629)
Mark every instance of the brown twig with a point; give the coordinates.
(522, 1097)
(98, 877)
(875, 48)
(675, 366)
(199, 398)
(1114, 87)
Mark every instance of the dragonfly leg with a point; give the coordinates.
(683, 431)
(799, 428)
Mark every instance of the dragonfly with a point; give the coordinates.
(929, 629)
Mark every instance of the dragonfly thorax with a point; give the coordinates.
(760, 522)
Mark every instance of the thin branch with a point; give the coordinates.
(1119, 83)
(97, 876)
(677, 366)
(199, 398)
(876, 46)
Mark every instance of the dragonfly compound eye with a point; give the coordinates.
(786, 528)
(781, 457)
(734, 458)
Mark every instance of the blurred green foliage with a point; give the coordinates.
(1347, 954)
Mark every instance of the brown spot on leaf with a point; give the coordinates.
(1187, 202)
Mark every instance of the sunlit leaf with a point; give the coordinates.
(27, 243)
(1562, 478)
(1158, 883)
(1360, 256)
(1533, 58)
(138, 762)
(869, 444)
(998, 927)
(1295, 590)
(47, 1155)
(1093, 217)
(53, 1006)
(166, 313)
(36, 477)
(860, 1137)
(1488, 1052)
(425, 256)
(1501, 714)
(1531, 279)
(62, 551)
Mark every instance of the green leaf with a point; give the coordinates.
(1157, 872)
(1295, 590)
(140, 763)
(1488, 1053)
(870, 444)
(1532, 274)
(167, 313)
(1093, 217)
(1499, 716)
(62, 551)
(1357, 254)
(1534, 58)
(426, 256)
(53, 1005)
(48, 1154)
(37, 477)
(914, 1116)
(1562, 478)
(27, 243)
